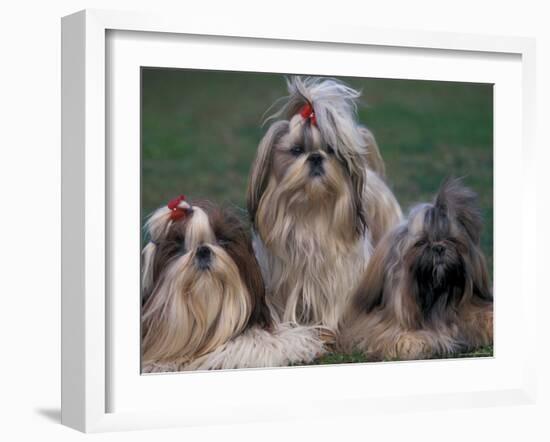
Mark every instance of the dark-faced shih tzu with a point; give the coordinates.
(426, 291)
(318, 201)
(204, 304)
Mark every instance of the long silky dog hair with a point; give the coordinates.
(427, 290)
(204, 302)
(317, 201)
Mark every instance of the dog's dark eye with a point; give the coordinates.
(296, 150)
(420, 243)
(330, 150)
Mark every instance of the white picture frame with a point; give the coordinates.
(89, 171)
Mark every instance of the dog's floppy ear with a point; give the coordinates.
(156, 229)
(383, 211)
(370, 292)
(374, 158)
(241, 252)
(260, 314)
(460, 203)
(481, 287)
(259, 173)
(147, 272)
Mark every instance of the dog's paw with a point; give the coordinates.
(487, 320)
(327, 336)
(411, 346)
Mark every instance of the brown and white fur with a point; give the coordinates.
(318, 202)
(426, 291)
(204, 303)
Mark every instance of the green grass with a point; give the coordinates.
(340, 358)
(200, 131)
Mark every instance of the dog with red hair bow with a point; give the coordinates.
(318, 201)
(204, 304)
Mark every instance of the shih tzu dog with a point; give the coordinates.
(426, 291)
(203, 297)
(317, 201)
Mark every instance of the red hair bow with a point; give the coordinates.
(307, 112)
(177, 212)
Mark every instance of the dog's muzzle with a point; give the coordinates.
(316, 167)
(203, 257)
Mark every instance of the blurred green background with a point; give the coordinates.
(200, 131)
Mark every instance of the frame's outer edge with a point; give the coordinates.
(95, 240)
(83, 222)
(529, 210)
(217, 26)
(73, 348)
(83, 281)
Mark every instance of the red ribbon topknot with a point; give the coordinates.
(307, 112)
(176, 211)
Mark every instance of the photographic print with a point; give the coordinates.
(299, 220)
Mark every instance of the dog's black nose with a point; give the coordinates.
(438, 249)
(315, 159)
(203, 257)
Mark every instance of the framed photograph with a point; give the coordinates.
(276, 210)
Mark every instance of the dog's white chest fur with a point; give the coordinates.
(314, 287)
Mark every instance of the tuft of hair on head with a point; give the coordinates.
(461, 203)
(335, 106)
